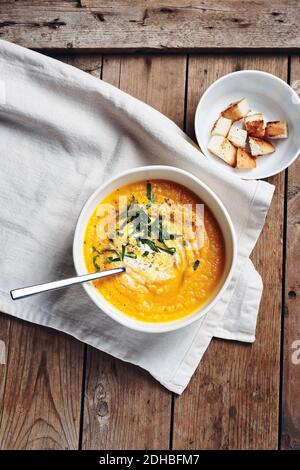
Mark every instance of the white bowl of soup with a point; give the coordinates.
(175, 239)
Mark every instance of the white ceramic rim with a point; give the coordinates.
(118, 315)
(254, 72)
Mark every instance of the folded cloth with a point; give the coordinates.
(62, 134)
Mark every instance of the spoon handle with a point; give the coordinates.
(32, 290)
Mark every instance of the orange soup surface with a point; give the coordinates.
(174, 264)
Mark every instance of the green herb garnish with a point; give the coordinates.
(96, 265)
(128, 208)
(158, 248)
(152, 200)
(146, 253)
(131, 204)
(174, 236)
(129, 219)
(149, 190)
(196, 265)
(108, 250)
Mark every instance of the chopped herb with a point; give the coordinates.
(128, 220)
(136, 231)
(185, 243)
(152, 200)
(157, 249)
(196, 265)
(149, 190)
(146, 253)
(118, 233)
(167, 249)
(96, 265)
(130, 255)
(123, 252)
(151, 197)
(151, 244)
(156, 228)
(108, 250)
(131, 204)
(110, 259)
(128, 208)
(174, 236)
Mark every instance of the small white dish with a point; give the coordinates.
(264, 92)
(206, 195)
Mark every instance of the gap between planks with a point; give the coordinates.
(110, 382)
(290, 424)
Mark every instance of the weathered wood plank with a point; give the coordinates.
(124, 407)
(233, 399)
(291, 364)
(41, 383)
(163, 25)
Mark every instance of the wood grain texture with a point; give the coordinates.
(291, 364)
(232, 401)
(124, 407)
(164, 25)
(41, 389)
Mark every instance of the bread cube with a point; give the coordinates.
(244, 160)
(237, 136)
(237, 110)
(277, 130)
(222, 148)
(221, 126)
(254, 124)
(260, 147)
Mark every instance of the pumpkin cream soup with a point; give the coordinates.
(170, 244)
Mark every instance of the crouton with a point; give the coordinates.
(222, 148)
(244, 160)
(237, 110)
(260, 147)
(254, 124)
(237, 136)
(277, 130)
(221, 126)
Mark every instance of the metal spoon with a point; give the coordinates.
(32, 290)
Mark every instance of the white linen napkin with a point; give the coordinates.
(62, 134)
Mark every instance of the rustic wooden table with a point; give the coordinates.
(57, 393)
